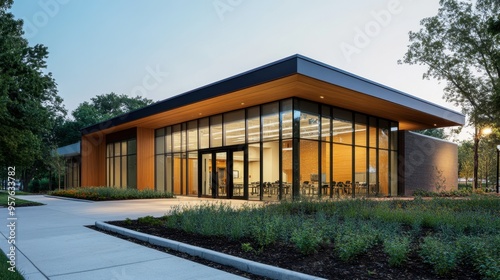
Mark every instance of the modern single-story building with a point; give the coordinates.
(289, 128)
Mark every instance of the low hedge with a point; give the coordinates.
(110, 193)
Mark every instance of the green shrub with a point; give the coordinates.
(307, 238)
(247, 247)
(149, 220)
(459, 232)
(440, 254)
(397, 248)
(354, 239)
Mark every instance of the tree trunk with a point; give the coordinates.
(476, 156)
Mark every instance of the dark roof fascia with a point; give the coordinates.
(323, 72)
(267, 73)
(295, 64)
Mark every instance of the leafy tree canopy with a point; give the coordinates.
(460, 45)
(100, 108)
(434, 132)
(29, 104)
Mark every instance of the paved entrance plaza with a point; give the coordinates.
(53, 242)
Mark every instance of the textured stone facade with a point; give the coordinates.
(427, 163)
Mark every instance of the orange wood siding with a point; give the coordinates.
(93, 160)
(145, 158)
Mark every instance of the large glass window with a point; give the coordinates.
(336, 152)
(309, 120)
(311, 178)
(254, 171)
(342, 126)
(360, 171)
(342, 168)
(270, 122)
(271, 171)
(121, 164)
(253, 124)
(204, 133)
(216, 131)
(360, 130)
(287, 168)
(192, 136)
(286, 119)
(234, 128)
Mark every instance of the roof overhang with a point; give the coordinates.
(295, 76)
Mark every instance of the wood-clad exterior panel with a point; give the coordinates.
(93, 151)
(145, 158)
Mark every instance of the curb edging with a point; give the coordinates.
(224, 259)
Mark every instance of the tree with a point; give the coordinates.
(466, 160)
(460, 45)
(100, 108)
(434, 132)
(29, 103)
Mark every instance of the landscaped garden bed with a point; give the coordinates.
(355, 239)
(109, 193)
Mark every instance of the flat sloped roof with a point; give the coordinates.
(294, 76)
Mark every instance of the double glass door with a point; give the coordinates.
(222, 173)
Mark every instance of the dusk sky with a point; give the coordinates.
(161, 48)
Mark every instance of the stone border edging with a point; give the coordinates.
(236, 262)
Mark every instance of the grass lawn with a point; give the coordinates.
(4, 201)
(5, 273)
(109, 193)
(449, 236)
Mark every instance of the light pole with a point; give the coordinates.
(498, 165)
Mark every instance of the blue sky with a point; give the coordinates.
(161, 48)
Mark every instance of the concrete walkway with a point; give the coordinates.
(52, 242)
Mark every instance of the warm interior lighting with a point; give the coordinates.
(322, 97)
(498, 147)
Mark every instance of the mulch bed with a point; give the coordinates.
(324, 263)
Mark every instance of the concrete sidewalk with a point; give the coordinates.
(53, 242)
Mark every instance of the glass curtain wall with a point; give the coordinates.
(291, 147)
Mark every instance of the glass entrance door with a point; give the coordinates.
(222, 173)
